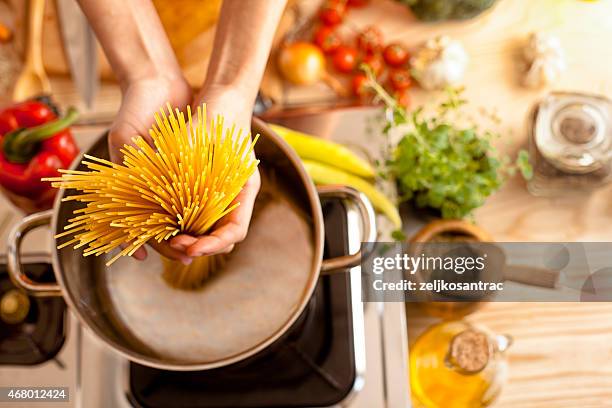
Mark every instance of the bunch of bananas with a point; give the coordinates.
(331, 163)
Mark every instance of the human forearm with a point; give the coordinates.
(242, 44)
(133, 39)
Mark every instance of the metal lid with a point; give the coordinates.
(572, 132)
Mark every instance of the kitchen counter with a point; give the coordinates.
(562, 352)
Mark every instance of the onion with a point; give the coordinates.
(302, 63)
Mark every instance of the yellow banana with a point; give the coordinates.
(323, 174)
(324, 151)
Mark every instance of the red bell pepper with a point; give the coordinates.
(34, 143)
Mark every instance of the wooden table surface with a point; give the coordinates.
(562, 355)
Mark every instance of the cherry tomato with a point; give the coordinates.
(332, 12)
(327, 39)
(400, 79)
(359, 85)
(395, 55)
(375, 62)
(370, 39)
(345, 59)
(357, 3)
(403, 98)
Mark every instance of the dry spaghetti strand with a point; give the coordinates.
(184, 184)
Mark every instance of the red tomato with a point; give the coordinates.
(403, 98)
(345, 59)
(327, 39)
(395, 55)
(359, 85)
(370, 39)
(358, 3)
(400, 79)
(375, 62)
(332, 12)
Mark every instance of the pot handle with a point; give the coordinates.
(531, 275)
(15, 266)
(368, 222)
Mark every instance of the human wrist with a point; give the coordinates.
(151, 74)
(235, 94)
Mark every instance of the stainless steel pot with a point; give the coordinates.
(78, 277)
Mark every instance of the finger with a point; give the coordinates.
(140, 254)
(227, 250)
(218, 241)
(164, 249)
(246, 198)
(116, 140)
(233, 227)
(182, 241)
(121, 135)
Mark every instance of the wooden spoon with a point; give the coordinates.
(32, 81)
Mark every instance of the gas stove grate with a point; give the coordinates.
(41, 335)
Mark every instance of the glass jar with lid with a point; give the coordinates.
(570, 143)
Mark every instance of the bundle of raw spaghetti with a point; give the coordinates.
(185, 184)
(193, 275)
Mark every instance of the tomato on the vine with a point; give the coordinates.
(400, 79)
(327, 39)
(395, 55)
(370, 39)
(358, 3)
(403, 98)
(375, 62)
(359, 85)
(332, 12)
(345, 59)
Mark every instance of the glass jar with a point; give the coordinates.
(457, 364)
(570, 141)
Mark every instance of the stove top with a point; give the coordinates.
(32, 330)
(320, 362)
(99, 378)
(312, 365)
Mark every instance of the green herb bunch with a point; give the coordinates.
(440, 164)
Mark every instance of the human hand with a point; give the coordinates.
(232, 228)
(141, 100)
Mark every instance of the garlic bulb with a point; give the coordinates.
(545, 58)
(440, 62)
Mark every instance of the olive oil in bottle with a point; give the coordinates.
(457, 365)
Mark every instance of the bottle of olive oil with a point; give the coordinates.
(448, 310)
(457, 365)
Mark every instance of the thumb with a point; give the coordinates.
(122, 134)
